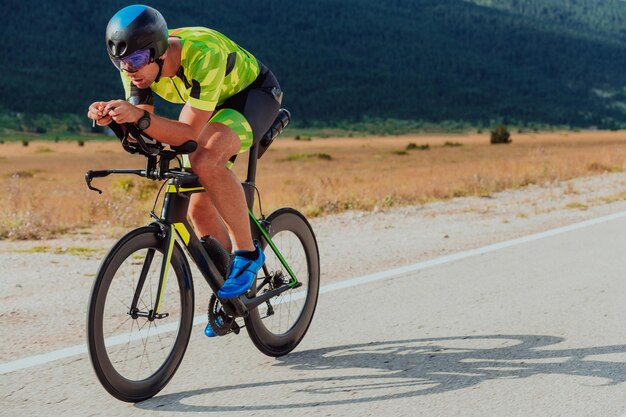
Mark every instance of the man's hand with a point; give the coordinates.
(97, 113)
(123, 112)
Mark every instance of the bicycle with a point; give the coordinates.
(139, 322)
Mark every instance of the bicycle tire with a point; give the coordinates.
(292, 234)
(116, 270)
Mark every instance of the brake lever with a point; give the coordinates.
(90, 175)
(93, 188)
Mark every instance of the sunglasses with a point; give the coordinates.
(133, 62)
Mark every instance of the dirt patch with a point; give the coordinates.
(46, 194)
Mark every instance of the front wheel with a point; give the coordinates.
(135, 349)
(279, 325)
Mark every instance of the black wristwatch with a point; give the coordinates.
(144, 121)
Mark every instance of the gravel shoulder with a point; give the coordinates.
(45, 285)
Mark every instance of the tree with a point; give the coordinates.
(500, 134)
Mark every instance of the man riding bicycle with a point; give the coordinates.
(230, 100)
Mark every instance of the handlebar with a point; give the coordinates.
(180, 178)
(156, 169)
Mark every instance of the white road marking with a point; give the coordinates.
(55, 355)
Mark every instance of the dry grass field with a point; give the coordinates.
(45, 193)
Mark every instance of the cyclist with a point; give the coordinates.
(230, 100)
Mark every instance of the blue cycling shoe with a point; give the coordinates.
(208, 331)
(242, 274)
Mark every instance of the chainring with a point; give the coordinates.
(220, 322)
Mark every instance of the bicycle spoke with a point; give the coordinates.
(126, 306)
(144, 305)
(145, 352)
(156, 327)
(121, 324)
(143, 341)
(129, 340)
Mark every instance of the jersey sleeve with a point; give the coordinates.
(136, 95)
(207, 71)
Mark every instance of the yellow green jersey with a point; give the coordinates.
(212, 69)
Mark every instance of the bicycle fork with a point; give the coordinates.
(168, 249)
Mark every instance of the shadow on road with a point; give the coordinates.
(380, 371)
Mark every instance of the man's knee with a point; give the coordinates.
(217, 143)
(207, 165)
(199, 157)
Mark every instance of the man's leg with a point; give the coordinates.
(217, 143)
(207, 221)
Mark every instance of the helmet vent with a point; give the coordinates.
(117, 48)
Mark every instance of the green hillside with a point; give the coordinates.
(520, 61)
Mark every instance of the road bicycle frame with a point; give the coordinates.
(174, 227)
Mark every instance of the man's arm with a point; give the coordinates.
(172, 132)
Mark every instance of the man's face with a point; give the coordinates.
(139, 66)
(145, 76)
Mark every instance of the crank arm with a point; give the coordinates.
(258, 300)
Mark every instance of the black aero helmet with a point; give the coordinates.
(135, 28)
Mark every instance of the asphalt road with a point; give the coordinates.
(534, 328)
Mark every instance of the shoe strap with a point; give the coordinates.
(241, 269)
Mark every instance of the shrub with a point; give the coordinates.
(147, 190)
(500, 134)
(124, 185)
(308, 156)
(412, 146)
